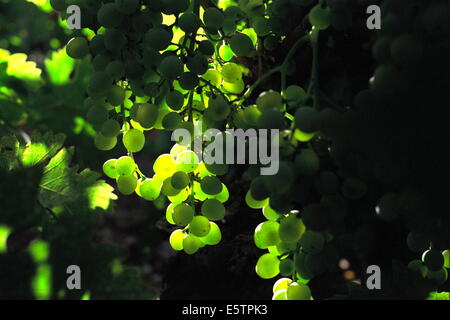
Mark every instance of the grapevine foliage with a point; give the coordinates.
(166, 64)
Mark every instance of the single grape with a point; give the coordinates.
(103, 143)
(280, 295)
(191, 244)
(241, 45)
(188, 80)
(307, 119)
(254, 204)
(312, 242)
(176, 239)
(109, 16)
(109, 168)
(134, 140)
(180, 180)
(115, 69)
(77, 48)
(298, 291)
(171, 121)
(125, 166)
(213, 18)
(214, 236)
(189, 22)
(150, 189)
(211, 185)
(433, 259)
(199, 226)
(286, 267)
(165, 166)
(126, 184)
(320, 17)
(157, 38)
(183, 214)
(213, 76)
(231, 72)
(225, 52)
(267, 266)
(269, 100)
(187, 161)
(291, 229)
(213, 209)
(270, 214)
(171, 67)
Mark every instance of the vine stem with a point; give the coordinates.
(314, 84)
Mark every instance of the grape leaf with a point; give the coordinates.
(59, 67)
(41, 148)
(439, 296)
(97, 192)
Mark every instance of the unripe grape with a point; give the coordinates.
(188, 80)
(189, 22)
(286, 267)
(298, 291)
(115, 69)
(320, 17)
(213, 76)
(126, 184)
(291, 229)
(125, 166)
(176, 239)
(134, 140)
(241, 45)
(97, 114)
(180, 180)
(165, 166)
(183, 214)
(235, 87)
(77, 48)
(103, 143)
(214, 236)
(258, 189)
(115, 95)
(108, 15)
(150, 189)
(439, 277)
(307, 119)
(433, 259)
(206, 47)
(271, 119)
(146, 114)
(199, 226)
(114, 39)
(267, 266)
(171, 67)
(281, 284)
(254, 204)
(187, 161)
(157, 38)
(213, 209)
(225, 52)
(109, 168)
(312, 242)
(269, 100)
(211, 185)
(191, 244)
(295, 95)
(280, 295)
(197, 64)
(127, 6)
(110, 128)
(231, 72)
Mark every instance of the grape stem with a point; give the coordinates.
(314, 83)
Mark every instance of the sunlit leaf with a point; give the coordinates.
(59, 67)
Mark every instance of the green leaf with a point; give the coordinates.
(58, 181)
(59, 67)
(97, 192)
(20, 68)
(42, 148)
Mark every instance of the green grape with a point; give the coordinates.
(206, 47)
(126, 184)
(267, 233)
(147, 115)
(115, 95)
(157, 38)
(231, 72)
(298, 291)
(251, 115)
(225, 52)
(100, 62)
(223, 196)
(171, 67)
(267, 266)
(177, 149)
(109, 168)
(417, 242)
(218, 169)
(271, 119)
(169, 212)
(197, 64)
(171, 121)
(433, 259)
(201, 171)
(176, 239)
(303, 136)
(103, 143)
(187, 161)
(175, 6)
(446, 255)
(307, 162)
(175, 100)
(167, 189)
(115, 69)
(125, 166)
(261, 26)
(183, 214)
(312, 242)
(280, 295)
(270, 214)
(188, 80)
(191, 244)
(418, 266)
(269, 100)
(235, 87)
(150, 189)
(97, 114)
(241, 45)
(211, 185)
(258, 189)
(213, 18)
(300, 267)
(77, 48)
(229, 26)
(108, 15)
(213, 76)
(406, 49)
(134, 140)
(307, 119)
(286, 267)
(320, 17)
(99, 83)
(115, 40)
(189, 22)
(281, 284)
(165, 166)
(218, 108)
(295, 95)
(213, 209)
(255, 204)
(180, 180)
(439, 277)
(214, 236)
(186, 140)
(199, 226)
(291, 229)
(110, 128)
(127, 6)
(97, 44)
